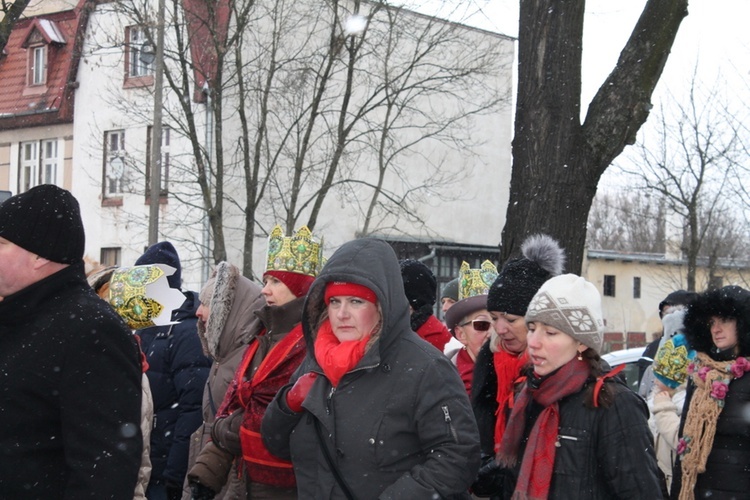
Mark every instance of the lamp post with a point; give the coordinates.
(156, 128)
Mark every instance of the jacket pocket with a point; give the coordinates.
(395, 444)
(572, 454)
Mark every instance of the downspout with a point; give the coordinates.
(206, 264)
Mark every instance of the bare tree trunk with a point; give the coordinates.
(12, 13)
(557, 162)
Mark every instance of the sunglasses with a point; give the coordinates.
(480, 325)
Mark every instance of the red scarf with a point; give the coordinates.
(465, 366)
(334, 357)
(539, 457)
(508, 367)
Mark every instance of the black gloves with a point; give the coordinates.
(490, 479)
(200, 492)
(225, 433)
(174, 490)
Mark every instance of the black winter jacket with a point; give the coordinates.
(399, 425)
(727, 475)
(70, 394)
(602, 453)
(177, 373)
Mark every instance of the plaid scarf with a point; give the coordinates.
(538, 460)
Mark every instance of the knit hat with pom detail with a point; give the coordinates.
(521, 278)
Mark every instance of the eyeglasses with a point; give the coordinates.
(480, 325)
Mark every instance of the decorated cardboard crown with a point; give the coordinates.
(672, 360)
(472, 282)
(142, 297)
(298, 253)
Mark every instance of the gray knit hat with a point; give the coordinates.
(572, 305)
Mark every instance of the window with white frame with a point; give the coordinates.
(38, 65)
(164, 170)
(49, 161)
(28, 166)
(138, 65)
(114, 162)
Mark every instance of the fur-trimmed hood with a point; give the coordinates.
(231, 321)
(732, 302)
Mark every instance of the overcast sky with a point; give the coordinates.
(714, 36)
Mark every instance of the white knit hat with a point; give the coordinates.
(572, 305)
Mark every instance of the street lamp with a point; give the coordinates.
(153, 218)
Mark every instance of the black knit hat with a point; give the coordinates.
(521, 278)
(163, 253)
(420, 284)
(45, 220)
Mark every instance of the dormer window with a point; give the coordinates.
(42, 35)
(38, 65)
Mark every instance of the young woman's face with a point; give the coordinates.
(352, 318)
(723, 332)
(511, 330)
(474, 331)
(276, 292)
(549, 348)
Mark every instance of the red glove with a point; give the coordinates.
(297, 394)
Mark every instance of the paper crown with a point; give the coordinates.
(142, 297)
(298, 253)
(672, 360)
(473, 282)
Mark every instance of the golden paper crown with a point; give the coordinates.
(298, 253)
(142, 297)
(473, 282)
(672, 360)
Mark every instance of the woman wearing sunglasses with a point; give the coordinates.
(468, 319)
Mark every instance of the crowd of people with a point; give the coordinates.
(335, 379)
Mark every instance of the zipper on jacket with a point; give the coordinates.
(328, 400)
(449, 422)
(562, 436)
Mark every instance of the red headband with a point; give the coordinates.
(338, 288)
(297, 283)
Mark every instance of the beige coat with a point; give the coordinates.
(231, 325)
(147, 421)
(665, 425)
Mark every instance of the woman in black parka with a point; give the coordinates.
(714, 447)
(396, 421)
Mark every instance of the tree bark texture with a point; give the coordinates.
(557, 161)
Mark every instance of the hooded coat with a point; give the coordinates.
(70, 397)
(231, 326)
(399, 424)
(177, 371)
(727, 474)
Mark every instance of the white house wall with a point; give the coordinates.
(475, 215)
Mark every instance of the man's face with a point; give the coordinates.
(16, 268)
